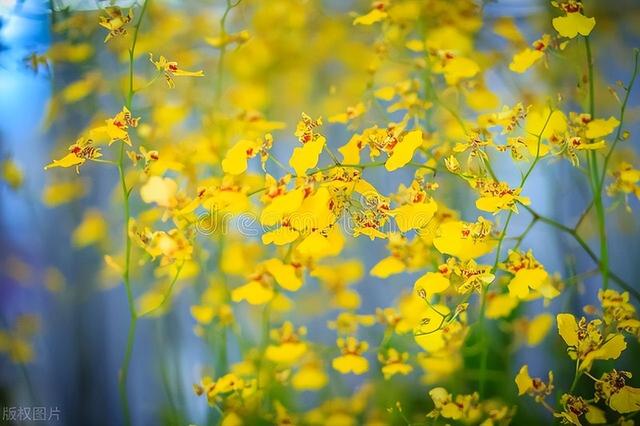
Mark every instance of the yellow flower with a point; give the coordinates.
(576, 406)
(572, 24)
(289, 348)
(618, 395)
(456, 68)
(116, 128)
(625, 180)
(428, 331)
(414, 215)
(259, 290)
(11, 173)
(285, 275)
(500, 305)
(224, 385)
(321, 244)
(377, 14)
(310, 377)
(586, 342)
(394, 362)
(402, 152)
(388, 266)
(534, 387)
(538, 328)
(337, 278)
(464, 240)
(315, 212)
(462, 406)
(161, 191)
(523, 60)
(92, 229)
(227, 39)
(15, 342)
(348, 323)
(599, 127)
(79, 152)
(281, 206)
(203, 314)
(506, 27)
(115, 21)
(618, 311)
(429, 284)
(552, 126)
(351, 360)
(171, 69)
(254, 292)
(528, 273)
(235, 161)
(280, 236)
(350, 114)
(497, 196)
(306, 157)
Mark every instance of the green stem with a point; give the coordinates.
(595, 178)
(623, 107)
(483, 304)
(133, 316)
(167, 294)
(576, 377)
(573, 233)
(223, 51)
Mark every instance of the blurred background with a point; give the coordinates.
(71, 361)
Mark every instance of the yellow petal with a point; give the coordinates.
(159, 190)
(523, 380)
(459, 68)
(403, 151)
(525, 279)
(309, 378)
(599, 127)
(202, 313)
(450, 241)
(595, 416)
(523, 60)
(451, 410)
(314, 212)
(254, 292)
(627, 400)
(573, 24)
(430, 283)
(501, 305)
(183, 73)
(92, 229)
(306, 156)
(351, 364)
(388, 266)
(286, 353)
(415, 45)
(235, 162)
(414, 216)
(315, 245)
(385, 93)
(281, 236)
(611, 349)
(568, 329)
(538, 329)
(68, 160)
(370, 18)
(351, 150)
(285, 275)
(281, 206)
